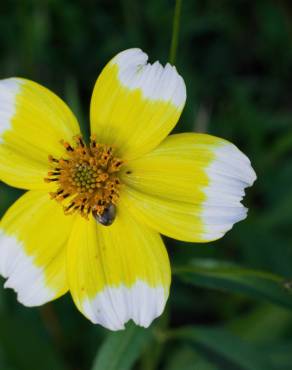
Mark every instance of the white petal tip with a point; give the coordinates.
(114, 307)
(253, 176)
(155, 82)
(229, 174)
(26, 279)
(8, 90)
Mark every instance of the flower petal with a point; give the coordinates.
(118, 272)
(190, 187)
(33, 120)
(33, 236)
(135, 105)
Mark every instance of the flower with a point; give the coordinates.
(91, 219)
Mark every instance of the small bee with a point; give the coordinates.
(107, 217)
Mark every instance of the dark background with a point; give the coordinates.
(236, 59)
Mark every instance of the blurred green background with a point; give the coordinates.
(230, 306)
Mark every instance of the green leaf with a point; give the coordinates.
(232, 278)
(154, 349)
(25, 347)
(187, 358)
(121, 349)
(223, 348)
(262, 324)
(279, 355)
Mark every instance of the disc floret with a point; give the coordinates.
(87, 177)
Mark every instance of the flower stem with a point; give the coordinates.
(175, 31)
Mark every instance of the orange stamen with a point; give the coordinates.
(87, 177)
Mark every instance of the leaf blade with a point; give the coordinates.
(232, 278)
(228, 350)
(121, 349)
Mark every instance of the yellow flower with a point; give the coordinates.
(90, 220)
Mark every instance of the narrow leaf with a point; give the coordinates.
(232, 278)
(121, 349)
(222, 347)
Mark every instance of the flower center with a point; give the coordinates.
(87, 180)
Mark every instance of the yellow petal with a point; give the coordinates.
(135, 105)
(33, 237)
(118, 272)
(33, 120)
(190, 187)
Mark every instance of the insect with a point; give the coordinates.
(107, 217)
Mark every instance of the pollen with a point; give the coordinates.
(87, 178)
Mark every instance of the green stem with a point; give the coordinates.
(175, 31)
